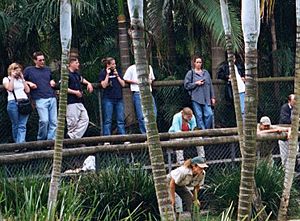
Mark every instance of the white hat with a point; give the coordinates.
(265, 120)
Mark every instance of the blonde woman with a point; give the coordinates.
(15, 84)
(191, 174)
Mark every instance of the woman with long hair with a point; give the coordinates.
(190, 174)
(111, 80)
(17, 89)
(199, 85)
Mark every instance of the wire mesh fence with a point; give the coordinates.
(170, 98)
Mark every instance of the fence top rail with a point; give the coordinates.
(171, 144)
(35, 145)
(215, 81)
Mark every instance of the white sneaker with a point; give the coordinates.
(127, 142)
(106, 143)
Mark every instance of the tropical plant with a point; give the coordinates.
(120, 186)
(201, 18)
(25, 198)
(224, 188)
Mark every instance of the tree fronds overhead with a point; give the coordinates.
(206, 13)
(267, 7)
(156, 10)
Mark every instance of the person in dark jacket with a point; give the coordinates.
(223, 74)
(285, 118)
(286, 110)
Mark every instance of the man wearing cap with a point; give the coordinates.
(265, 148)
(191, 174)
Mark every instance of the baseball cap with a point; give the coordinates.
(200, 161)
(265, 120)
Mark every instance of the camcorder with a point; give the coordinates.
(112, 71)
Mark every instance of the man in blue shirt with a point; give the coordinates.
(77, 116)
(42, 92)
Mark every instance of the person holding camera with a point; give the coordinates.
(17, 89)
(111, 81)
(199, 85)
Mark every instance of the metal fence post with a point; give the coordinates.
(99, 93)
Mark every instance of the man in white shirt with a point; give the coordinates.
(131, 78)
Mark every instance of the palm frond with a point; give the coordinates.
(208, 13)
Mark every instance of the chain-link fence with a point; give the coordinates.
(170, 98)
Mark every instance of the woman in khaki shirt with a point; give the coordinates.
(191, 174)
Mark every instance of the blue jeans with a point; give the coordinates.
(109, 106)
(18, 122)
(47, 110)
(139, 112)
(242, 103)
(203, 114)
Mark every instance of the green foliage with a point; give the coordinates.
(118, 192)
(119, 185)
(26, 199)
(269, 181)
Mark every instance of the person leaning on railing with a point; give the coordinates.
(265, 148)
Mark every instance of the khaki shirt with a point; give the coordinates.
(183, 176)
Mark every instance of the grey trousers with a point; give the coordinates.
(186, 196)
(77, 120)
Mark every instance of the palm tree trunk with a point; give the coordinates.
(171, 38)
(155, 150)
(66, 35)
(229, 48)
(251, 29)
(293, 142)
(125, 63)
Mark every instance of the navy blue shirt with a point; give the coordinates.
(75, 81)
(114, 91)
(41, 77)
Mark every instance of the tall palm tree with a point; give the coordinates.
(66, 36)
(251, 30)
(155, 150)
(227, 30)
(293, 141)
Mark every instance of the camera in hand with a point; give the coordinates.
(112, 70)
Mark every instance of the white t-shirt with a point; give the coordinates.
(18, 89)
(131, 75)
(240, 82)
